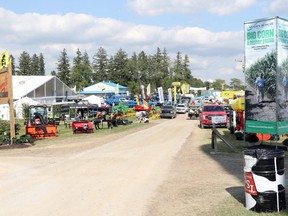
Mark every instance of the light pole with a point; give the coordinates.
(238, 60)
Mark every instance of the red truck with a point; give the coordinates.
(213, 114)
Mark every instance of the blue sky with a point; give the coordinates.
(210, 32)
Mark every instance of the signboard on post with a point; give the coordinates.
(266, 66)
(4, 78)
(6, 89)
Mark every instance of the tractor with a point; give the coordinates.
(38, 125)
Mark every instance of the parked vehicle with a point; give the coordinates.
(114, 100)
(213, 114)
(181, 108)
(168, 111)
(193, 111)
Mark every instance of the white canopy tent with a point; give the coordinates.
(18, 105)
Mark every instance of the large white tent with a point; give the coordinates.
(44, 89)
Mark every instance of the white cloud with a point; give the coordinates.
(224, 7)
(50, 34)
(277, 6)
(159, 7)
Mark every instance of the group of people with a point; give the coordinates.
(260, 87)
(113, 120)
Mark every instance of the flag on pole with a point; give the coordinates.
(142, 88)
(4, 59)
(148, 90)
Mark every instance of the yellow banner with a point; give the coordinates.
(4, 59)
(228, 94)
(185, 88)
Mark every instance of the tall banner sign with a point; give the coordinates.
(170, 95)
(6, 89)
(282, 78)
(161, 94)
(4, 78)
(266, 67)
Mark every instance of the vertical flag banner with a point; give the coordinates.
(142, 88)
(117, 89)
(148, 90)
(266, 51)
(161, 95)
(4, 59)
(170, 95)
(175, 85)
(185, 88)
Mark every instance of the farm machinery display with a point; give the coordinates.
(82, 126)
(38, 125)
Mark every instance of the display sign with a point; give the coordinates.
(6, 89)
(266, 64)
(4, 61)
(3, 86)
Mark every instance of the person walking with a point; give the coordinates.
(260, 87)
(285, 87)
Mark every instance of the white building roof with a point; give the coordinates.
(104, 88)
(22, 85)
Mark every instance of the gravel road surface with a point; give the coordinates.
(117, 178)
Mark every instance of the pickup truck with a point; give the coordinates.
(114, 100)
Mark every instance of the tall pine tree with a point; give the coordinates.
(34, 65)
(41, 65)
(24, 68)
(63, 68)
(100, 65)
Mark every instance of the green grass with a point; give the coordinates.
(64, 132)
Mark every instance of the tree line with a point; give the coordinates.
(157, 69)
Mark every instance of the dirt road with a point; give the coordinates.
(118, 177)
